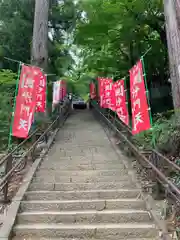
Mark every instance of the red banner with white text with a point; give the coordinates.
(108, 82)
(105, 88)
(101, 91)
(92, 90)
(62, 89)
(41, 93)
(25, 101)
(139, 105)
(119, 101)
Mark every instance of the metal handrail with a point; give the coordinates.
(174, 165)
(10, 169)
(135, 149)
(3, 180)
(160, 175)
(3, 159)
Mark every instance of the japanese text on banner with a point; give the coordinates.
(119, 100)
(25, 101)
(101, 90)
(62, 89)
(41, 93)
(108, 82)
(139, 105)
(92, 90)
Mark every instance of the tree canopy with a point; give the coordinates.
(89, 38)
(114, 34)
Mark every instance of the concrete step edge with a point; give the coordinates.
(85, 191)
(82, 171)
(87, 226)
(85, 200)
(52, 238)
(121, 211)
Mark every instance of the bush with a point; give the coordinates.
(164, 135)
(7, 92)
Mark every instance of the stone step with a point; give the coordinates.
(81, 179)
(100, 231)
(83, 166)
(69, 146)
(99, 157)
(89, 194)
(91, 217)
(88, 159)
(54, 238)
(80, 186)
(79, 173)
(106, 154)
(76, 205)
(85, 147)
(82, 191)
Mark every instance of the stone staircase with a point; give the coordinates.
(82, 190)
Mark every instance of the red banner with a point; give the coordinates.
(119, 101)
(101, 91)
(92, 90)
(140, 114)
(62, 89)
(25, 101)
(108, 82)
(113, 99)
(105, 88)
(41, 93)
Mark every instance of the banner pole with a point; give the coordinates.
(127, 104)
(13, 108)
(147, 91)
(46, 110)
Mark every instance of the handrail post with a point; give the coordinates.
(8, 167)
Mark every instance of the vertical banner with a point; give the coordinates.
(25, 101)
(105, 88)
(113, 99)
(119, 101)
(56, 92)
(139, 105)
(92, 90)
(108, 82)
(41, 93)
(101, 91)
(62, 89)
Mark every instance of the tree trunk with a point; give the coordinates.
(39, 56)
(173, 40)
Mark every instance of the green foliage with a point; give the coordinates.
(7, 91)
(164, 136)
(63, 16)
(16, 30)
(114, 34)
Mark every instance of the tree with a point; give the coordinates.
(16, 28)
(116, 34)
(39, 55)
(171, 9)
